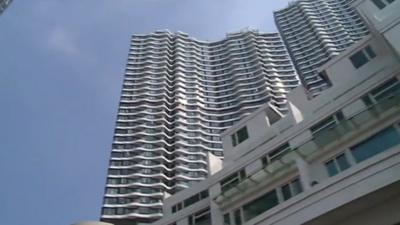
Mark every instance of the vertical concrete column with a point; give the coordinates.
(304, 171)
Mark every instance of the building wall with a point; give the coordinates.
(315, 31)
(178, 95)
(384, 213)
(355, 114)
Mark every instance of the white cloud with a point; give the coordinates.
(62, 40)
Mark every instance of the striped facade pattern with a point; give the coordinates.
(4, 4)
(315, 31)
(178, 95)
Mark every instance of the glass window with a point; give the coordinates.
(367, 100)
(190, 220)
(324, 124)
(237, 217)
(370, 52)
(191, 200)
(108, 211)
(242, 134)
(386, 90)
(331, 168)
(232, 180)
(342, 162)
(376, 144)
(286, 193)
(279, 152)
(179, 206)
(227, 219)
(337, 164)
(379, 4)
(202, 217)
(291, 189)
(358, 59)
(296, 186)
(362, 57)
(234, 141)
(204, 194)
(260, 205)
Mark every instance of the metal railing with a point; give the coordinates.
(316, 146)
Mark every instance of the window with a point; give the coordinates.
(238, 217)
(279, 152)
(227, 219)
(382, 3)
(202, 217)
(327, 123)
(291, 189)
(361, 57)
(260, 205)
(387, 90)
(190, 201)
(337, 164)
(240, 136)
(179, 206)
(108, 211)
(276, 154)
(232, 180)
(371, 54)
(376, 144)
(204, 194)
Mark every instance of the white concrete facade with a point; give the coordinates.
(334, 159)
(316, 31)
(178, 95)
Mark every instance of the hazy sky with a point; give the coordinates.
(61, 70)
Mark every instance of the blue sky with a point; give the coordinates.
(61, 70)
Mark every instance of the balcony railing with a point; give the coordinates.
(313, 148)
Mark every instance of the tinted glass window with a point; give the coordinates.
(331, 168)
(297, 188)
(370, 52)
(242, 134)
(379, 4)
(237, 217)
(227, 219)
(376, 144)
(342, 162)
(260, 205)
(358, 59)
(286, 192)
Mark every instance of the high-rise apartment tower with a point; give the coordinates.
(315, 31)
(4, 4)
(178, 94)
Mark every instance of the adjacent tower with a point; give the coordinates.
(315, 31)
(178, 94)
(4, 4)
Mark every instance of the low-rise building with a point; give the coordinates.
(334, 159)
